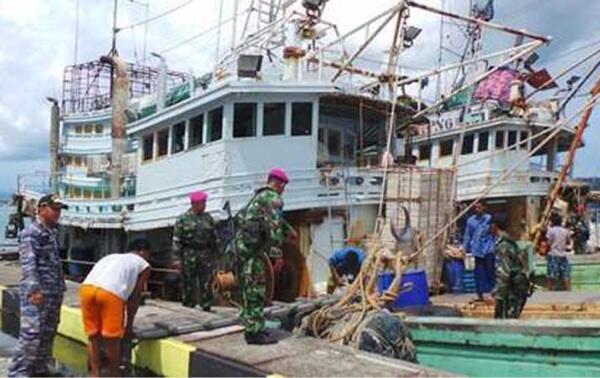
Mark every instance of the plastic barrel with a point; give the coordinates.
(418, 295)
(469, 281)
(455, 271)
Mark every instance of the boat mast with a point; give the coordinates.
(113, 50)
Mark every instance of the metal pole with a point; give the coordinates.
(480, 22)
(363, 46)
(54, 135)
(76, 32)
(438, 89)
(236, 4)
(113, 50)
(219, 32)
(146, 32)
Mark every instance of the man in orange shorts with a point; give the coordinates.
(110, 296)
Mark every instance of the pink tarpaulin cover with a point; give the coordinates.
(496, 86)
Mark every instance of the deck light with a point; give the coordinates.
(531, 59)
(410, 34)
(313, 5)
(249, 65)
(572, 80)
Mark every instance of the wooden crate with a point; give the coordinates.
(426, 193)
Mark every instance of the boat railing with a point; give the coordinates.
(318, 187)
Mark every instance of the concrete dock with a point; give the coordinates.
(220, 351)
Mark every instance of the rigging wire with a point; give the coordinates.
(156, 17)
(202, 33)
(570, 52)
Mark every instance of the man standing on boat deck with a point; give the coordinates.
(195, 241)
(558, 267)
(512, 273)
(110, 296)
(260, 230)
(40, 291)
(579, 230)
(479, 241)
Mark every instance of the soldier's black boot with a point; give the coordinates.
(260, 338)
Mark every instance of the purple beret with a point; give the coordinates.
(198, 196)
(279, 174)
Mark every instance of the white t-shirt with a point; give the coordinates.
(117, 273)
(558, 238)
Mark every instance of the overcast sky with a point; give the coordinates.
(37, 39)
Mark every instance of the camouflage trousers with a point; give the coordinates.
(579, 246)
(510, 301)
(197, 278)
(33, 353)
(253, 289)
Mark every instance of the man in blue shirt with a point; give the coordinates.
(344, 263)
(479, 241)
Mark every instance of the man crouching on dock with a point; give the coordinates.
(114, 285)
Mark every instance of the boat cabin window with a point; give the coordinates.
(78, 129)
(244, 120)
(499, 140)
(484, 140)
(148, 147)
(468, 142)
(274, 118)
(98, 128)
(178, 137)
(512, 140)
(196, 130)
(162, 141)
(349, 146)
(215, 124)
(334, 142)
(523, 140)
(88, 128)
(301, 118)
(446, 147)
(425, 151)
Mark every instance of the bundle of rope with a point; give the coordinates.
(360, 318)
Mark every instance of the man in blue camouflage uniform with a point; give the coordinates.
(41, 291)
(196, 243)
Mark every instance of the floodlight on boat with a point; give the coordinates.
(410, 34)
(249, 65)
(313, 5)
(531, 59)
(572, 80)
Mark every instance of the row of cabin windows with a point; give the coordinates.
(76, 161)
(89, 128)
(245, 119)
(79, 193)
(468, 146)
(245, 123)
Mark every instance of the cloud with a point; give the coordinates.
(38, 40)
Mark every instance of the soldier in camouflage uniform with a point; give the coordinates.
(41, 291)
(579, 230)
(260, 232)
(513, 284)
(196, 243)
